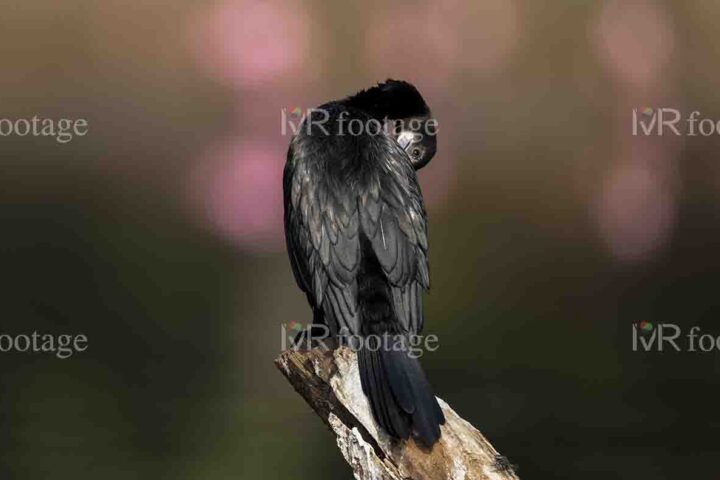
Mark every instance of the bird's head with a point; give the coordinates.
(410, 121)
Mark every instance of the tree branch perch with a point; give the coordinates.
(329, 382)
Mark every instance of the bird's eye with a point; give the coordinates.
(415, 152)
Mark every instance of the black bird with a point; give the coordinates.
(356, 232)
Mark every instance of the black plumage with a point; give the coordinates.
(356, 232)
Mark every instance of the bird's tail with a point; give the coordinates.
(400, 395)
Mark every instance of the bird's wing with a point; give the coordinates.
(393, 218)
(321, 230)
(325, 214)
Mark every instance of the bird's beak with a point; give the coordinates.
(405, 138)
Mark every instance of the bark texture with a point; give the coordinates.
(329, 382)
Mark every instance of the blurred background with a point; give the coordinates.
(552, 230)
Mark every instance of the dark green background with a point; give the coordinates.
(533, 310)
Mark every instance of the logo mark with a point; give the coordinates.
(295, 326)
